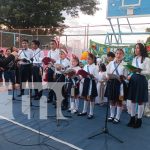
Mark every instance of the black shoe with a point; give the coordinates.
(82, 114)
(33, 96)
(36, 98)
(131, 122)
(64, 107)
(116, 121)
(49, 101)
(110, 119)
(40, 94)
(20, 94)
(90, 117)
(138, 123)
(54, 103)
(68, 110)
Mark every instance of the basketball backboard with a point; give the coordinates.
(128, 8)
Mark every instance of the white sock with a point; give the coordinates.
(112, 111)
(119, 111)
(70, 103)
(133, 109)
(91, 108)
(85, 106)
(140, 111)
(129, 106)
(76, 104)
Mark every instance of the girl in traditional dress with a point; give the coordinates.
(138, 85)
(89, 92)
(74, 84)
(115, 86)
(61, 65)
(101, 84)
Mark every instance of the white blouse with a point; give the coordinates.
(27, 54)
(145, 66)
(92, 69)
(120, 69)
(38, 55)
(54, 54)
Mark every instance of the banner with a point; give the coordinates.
(101, 49)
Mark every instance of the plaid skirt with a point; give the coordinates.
(138, 88)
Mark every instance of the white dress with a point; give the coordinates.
(101, 88)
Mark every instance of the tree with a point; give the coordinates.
(41, 13)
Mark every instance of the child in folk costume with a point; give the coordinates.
(89, 92)
(101, 84)
(25, 65)
(61, 65)
(53, 56)
(37, 68)
(74, 83)
(115, 90)
(138, 85)
(54, 51)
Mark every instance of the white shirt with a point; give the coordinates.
(38, 56)
(65, 63)
(121, 69)
(54, 54)
(27, 54)
(145, 66)
(77, 68)
(92, 69)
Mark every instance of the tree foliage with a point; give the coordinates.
(41, 13)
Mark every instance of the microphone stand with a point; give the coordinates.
(105, 130)
(49, 116)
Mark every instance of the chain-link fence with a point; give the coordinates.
(76, 39)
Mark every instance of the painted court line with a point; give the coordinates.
(41, 133)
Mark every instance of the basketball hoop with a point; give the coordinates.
(129, 6)
(130, 11)
(129, 3)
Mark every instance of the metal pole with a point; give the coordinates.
(1, 39)
(119, 37)
(87, 36)
(129, 24)
(37, 34)
(66, 41)
(14, 39)
(19, 38)
(85, 39)
(111, 38)
(113, 31)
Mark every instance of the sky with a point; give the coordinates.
(99, 18)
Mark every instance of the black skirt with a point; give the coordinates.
(113, 90)
(138, 88)
(69, 85)
(50, 75)
(86, 86)
(60, 78)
